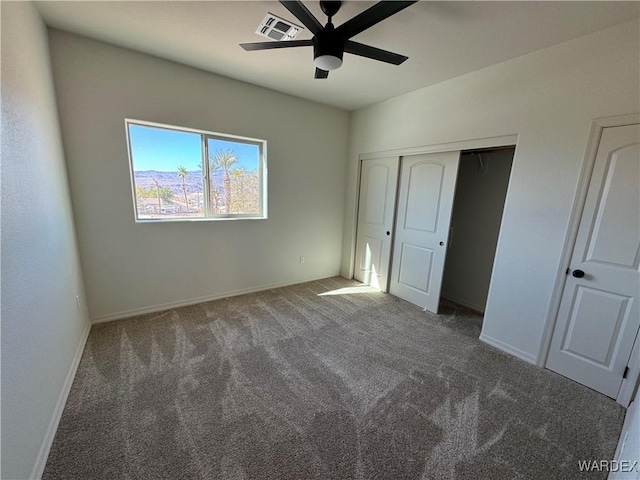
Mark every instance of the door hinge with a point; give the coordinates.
(626, 372)
(568, 271)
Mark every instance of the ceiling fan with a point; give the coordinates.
(329, 42)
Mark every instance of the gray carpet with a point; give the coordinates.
(290, 384)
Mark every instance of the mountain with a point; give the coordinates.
(193, 180)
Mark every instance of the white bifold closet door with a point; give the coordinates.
(425, 202)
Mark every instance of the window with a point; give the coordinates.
(185, 174)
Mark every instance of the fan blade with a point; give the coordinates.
(272, 45)
(303, 14)
(373, 53)
(321, 73)
(370, 17)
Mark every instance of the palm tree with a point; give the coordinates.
(213, 198)
(158, 193)
(213, 190)
(224, 159)
(182, 173)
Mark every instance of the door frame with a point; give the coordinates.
(488, 142)
(589, 158)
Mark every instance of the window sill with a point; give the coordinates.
(209, 219)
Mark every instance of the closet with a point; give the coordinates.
(483, 178)
(410, 210)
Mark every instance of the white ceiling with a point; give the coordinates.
(442, 39)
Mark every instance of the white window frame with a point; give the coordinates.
(204, 136)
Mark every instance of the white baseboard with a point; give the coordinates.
(192, 301)
(516, 352)
(462, 302)
(41, 461)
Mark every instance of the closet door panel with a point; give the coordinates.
(376, 209)
(425, 201)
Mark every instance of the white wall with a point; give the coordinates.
(549, 99)
(475, 224)
(627, 453)
(42, 329)
(132, 267)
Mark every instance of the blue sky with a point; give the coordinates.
(165, 150)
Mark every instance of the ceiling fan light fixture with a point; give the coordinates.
(327, 62)
(328, 49)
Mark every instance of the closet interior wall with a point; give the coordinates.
(483, 178)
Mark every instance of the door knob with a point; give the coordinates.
(578, 273)
(441, 244)
(388, 233)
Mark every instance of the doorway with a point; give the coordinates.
(481, 189)
(598, 318)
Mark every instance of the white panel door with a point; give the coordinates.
(376, 207)
(427, 186)
(598, 317)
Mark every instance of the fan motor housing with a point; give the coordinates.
(326, 42)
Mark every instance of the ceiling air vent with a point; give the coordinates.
(277, 28)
